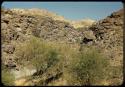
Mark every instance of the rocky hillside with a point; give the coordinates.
(109, 35)
(18, 25)
(36, 11)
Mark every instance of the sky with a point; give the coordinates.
(72, 10)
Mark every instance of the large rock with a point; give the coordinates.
(110, 29)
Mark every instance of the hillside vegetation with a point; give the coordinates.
(41, 48)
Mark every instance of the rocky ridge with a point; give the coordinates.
(108, 34)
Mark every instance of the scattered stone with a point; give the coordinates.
(9, 49)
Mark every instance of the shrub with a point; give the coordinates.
(115, 75)
(7, 78)
(39, 53)
(88, 68)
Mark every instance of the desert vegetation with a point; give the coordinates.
(53, 52)
(89, 68)
(86, 67)
(7, 77)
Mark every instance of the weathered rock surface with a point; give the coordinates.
(17, 26)
(109, 35)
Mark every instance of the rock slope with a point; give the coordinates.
(108, 34)
(17, 25)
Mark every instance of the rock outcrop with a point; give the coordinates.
(109, 35)
(18, 25)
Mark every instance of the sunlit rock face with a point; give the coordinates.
(83, 23)
(109, 35)
(36, 11)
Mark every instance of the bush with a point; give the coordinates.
(115, 75)
(38, 53)
(88, 68)
(7, 78)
